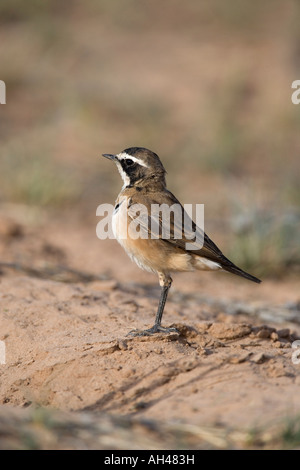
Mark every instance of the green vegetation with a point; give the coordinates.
(37, 180)
(267, 242)
(41, 428)
(206, 85)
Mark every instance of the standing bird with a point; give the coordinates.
(144, 186)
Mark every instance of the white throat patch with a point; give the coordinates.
(125, 178)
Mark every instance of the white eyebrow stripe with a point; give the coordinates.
(124, 155)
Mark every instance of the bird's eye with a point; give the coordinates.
(129, 162)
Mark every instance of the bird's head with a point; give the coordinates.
(138, 166)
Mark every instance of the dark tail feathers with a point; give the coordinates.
(239, 272)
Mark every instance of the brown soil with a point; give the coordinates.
(65, 331)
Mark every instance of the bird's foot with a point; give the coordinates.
(151, 331)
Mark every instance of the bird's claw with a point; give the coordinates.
(151, 331)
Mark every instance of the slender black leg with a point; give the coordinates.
(157, 328)
(162, 303)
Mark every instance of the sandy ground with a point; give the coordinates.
(230, 366)
(208, 87)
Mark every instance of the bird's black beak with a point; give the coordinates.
(109, 156)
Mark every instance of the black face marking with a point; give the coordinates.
(137, 164)
(133, 170)
(129, 166)
(128, 162)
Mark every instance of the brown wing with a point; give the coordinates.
(179, 230)
(186, 236)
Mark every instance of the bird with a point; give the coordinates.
(144, 185)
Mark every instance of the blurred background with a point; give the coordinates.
(206, 85)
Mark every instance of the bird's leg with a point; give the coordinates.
(165, 282)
